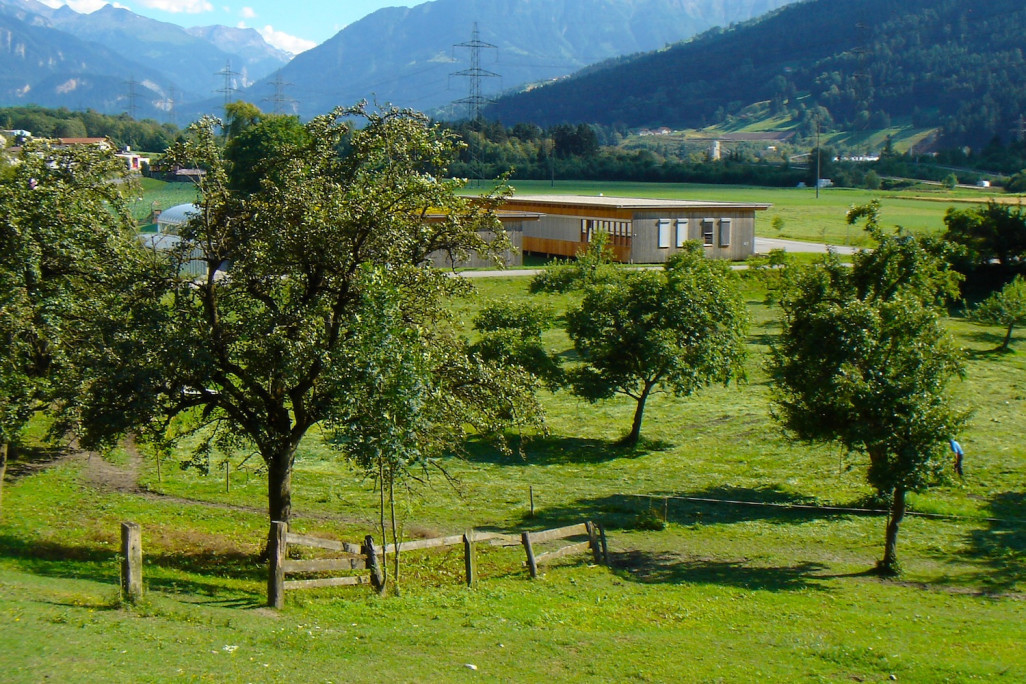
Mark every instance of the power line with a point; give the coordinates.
(229, 83)
(132, 107)
(279, 99)
(474, 74)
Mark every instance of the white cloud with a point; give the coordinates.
(175, 6)
(247, 13)
(283, 41)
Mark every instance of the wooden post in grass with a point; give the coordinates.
(593, 541)
(532, 565)
(377, 578)
(131, 562)
(602, 541)
(532, 500)
(277, 546)
(469, 559)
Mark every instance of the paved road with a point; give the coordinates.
(762, 246)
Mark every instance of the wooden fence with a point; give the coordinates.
(368, 557)
(595, 542)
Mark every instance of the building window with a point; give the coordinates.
(708, 232)
(682, 232)
(725, 232)
(664, 233)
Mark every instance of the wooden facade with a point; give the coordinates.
(641, 231)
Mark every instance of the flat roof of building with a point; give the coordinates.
(634, 203)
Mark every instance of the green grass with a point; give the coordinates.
(804, 217)
(157, 194)
(723, 593)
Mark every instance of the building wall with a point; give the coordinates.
(514, 257)
(735, 227)
(563, 235)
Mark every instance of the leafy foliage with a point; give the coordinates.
(64, 232)
(285, 339)
(993, 231)
(63, 123)
(1006, 308)
(865, 362)
(642, 331)
(511, 333)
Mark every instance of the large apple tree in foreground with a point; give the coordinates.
(284, 330)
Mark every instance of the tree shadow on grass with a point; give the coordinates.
(552, 450)
(999, 548)
(27, 460)
(668, 568)
(993, 339)
(102, 565)
(712, 505)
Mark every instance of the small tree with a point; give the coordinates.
(864, 361)
(992, 231)
(643, 331)
(1006, 308)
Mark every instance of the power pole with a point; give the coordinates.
(279, 99)
(474, 74)
(229, 83)
(132, 107)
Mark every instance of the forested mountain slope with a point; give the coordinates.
(957, 64)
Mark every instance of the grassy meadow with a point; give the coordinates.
(725, 592)
(804, 216)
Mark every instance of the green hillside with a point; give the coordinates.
(952, 65)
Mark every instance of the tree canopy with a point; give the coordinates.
(994, 231)
(285, 339)
(65, 232)
(644, 331)
(864, 361)
(1006, 307)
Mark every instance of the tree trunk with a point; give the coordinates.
(639, 414)
(889, 565)
(1008, 337)
(3, 472)
(279, 507)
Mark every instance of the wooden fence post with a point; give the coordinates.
(377, 579)
(602, 541)
(593, 541)
(131, 562)
(532, 565)
(277, 550)
(469, 559)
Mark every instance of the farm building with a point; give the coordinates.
(641, 231)
(513, 222)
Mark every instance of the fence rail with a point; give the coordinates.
(368, 557)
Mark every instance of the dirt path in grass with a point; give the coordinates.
(101, 474)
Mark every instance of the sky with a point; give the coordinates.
(293, 26)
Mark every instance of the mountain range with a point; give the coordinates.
(414, 57)
(115, 61)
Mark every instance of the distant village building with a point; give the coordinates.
(641, 231)
(133, 160)
(102, 143)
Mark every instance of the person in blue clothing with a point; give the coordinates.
(957, 448)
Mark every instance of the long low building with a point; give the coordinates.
(641, 231)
